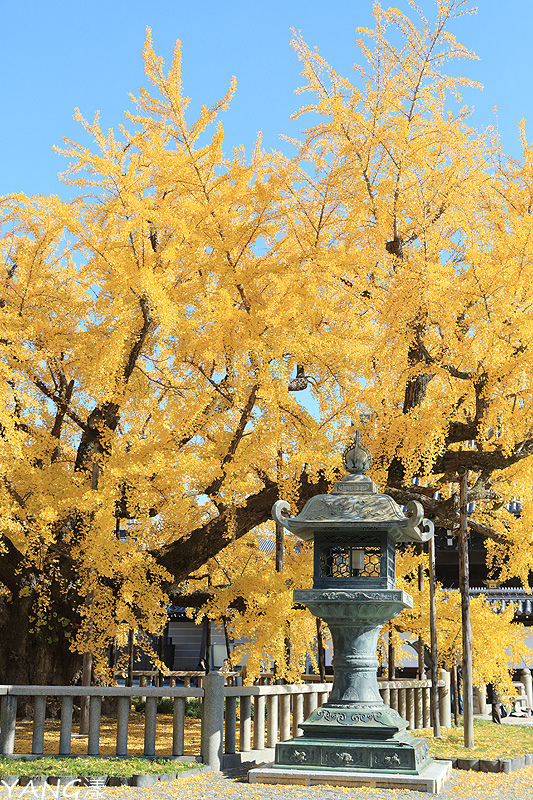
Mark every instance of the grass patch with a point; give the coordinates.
(91, 766)
(491, 741)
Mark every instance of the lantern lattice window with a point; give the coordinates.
(349, 562)
(365, 561)
(336, 562)
(372, 564)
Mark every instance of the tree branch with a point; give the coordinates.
(481, 461)
(215, 485)
(186, 555)
(140, 338)
(60, 416)
(199, 599)
(60, 403)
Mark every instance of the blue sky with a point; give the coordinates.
(58, 55)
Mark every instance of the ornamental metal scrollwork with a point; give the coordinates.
(345, 505)
(277, 512)
(321, 510)
(331, 716)
(325, 507)
(374, 716)
(339, 594)
(414, 512)
(375, 596)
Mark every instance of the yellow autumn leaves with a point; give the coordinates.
(149, 330)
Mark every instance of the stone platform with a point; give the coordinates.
(402, 753)
(431, 779)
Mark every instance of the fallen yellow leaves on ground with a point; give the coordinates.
(491, 741)
(108, 736)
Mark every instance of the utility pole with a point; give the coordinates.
(433, 637)
(280, 559)
(464, 585)
(321, 654)
(280, 547)
(129, 677)
(455, 690)
(421, 648)
(86, 674)
(208, 638)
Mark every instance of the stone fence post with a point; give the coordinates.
(8, 721)
(213, 720)
(527, 680)
(445, 705)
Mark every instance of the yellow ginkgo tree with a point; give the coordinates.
(154, 332)
(498, 643)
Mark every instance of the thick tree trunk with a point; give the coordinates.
(30, 656)
(35, 628)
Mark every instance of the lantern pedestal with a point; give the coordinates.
(354, 730)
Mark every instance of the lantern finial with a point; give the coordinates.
(356, 458)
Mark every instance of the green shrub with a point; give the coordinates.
(193, 708)
(165, 705)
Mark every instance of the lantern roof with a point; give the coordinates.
(356, 506)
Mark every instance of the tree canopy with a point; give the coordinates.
(155, 329)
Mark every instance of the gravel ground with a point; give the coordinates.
(469, 785)
(463, 785)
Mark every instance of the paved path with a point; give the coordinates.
(509, 720)
(462, 786)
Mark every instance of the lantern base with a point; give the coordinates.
(401, 753)
(431, 779)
